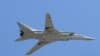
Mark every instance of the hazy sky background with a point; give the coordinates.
(79, 16)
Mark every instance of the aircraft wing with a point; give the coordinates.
(49, 28)
(39, 45)
(48, 22)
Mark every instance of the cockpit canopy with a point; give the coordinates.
(68, 33)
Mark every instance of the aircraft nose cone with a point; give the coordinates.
(89, 38)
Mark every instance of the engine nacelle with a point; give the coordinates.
(21, 33)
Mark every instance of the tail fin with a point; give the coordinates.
(25, 31)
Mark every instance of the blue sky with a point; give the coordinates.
(79, 16)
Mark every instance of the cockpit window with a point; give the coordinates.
(68, 33)
(38, 32)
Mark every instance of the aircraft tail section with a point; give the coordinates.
(25, 31)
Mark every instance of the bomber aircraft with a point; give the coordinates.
(49, 35)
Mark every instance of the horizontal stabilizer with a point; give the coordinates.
(24, 27)
(25, 31)
(20, 39)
